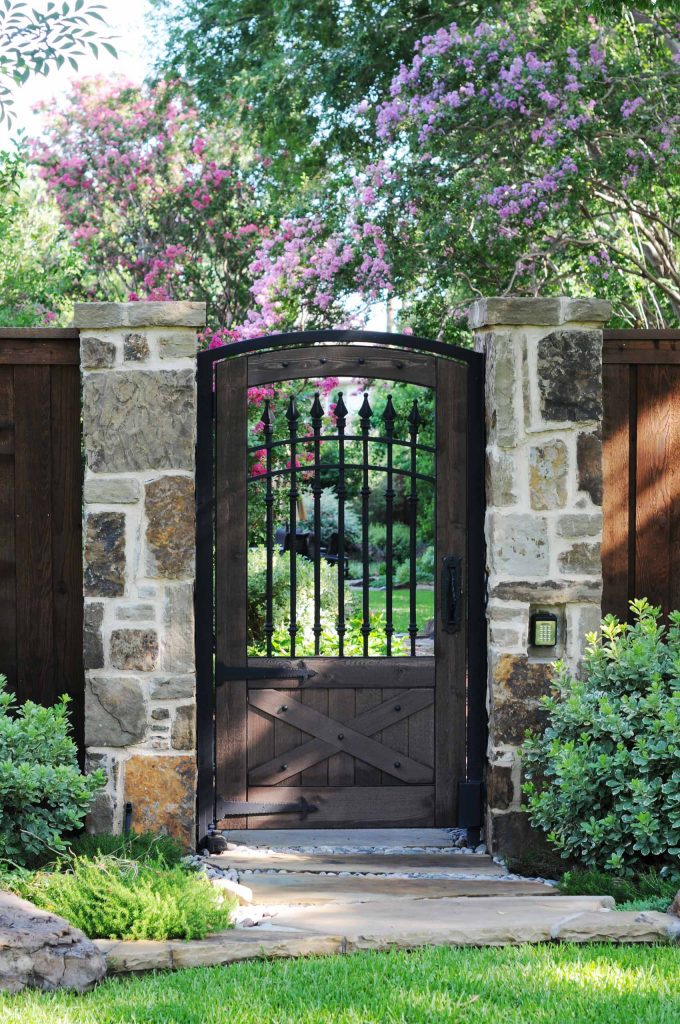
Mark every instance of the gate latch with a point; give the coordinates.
(241, 808)
(451, 593)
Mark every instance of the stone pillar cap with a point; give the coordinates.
(538, 312)
(93, 315)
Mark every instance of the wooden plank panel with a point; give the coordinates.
(231, 550)
(396, 738)
(618, 580)
(340, 736)
(399, 706)
(341, 361)
(368, 700)
(658, 486)
(341, 706)
(317, 774)
(33, 501)
(67, 573)
(8, 619)
(287, 740)
(348, 806)
(450, 648)
(353, 673)
(15, 352)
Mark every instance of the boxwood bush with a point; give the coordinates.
(603, 781)
(43, 794)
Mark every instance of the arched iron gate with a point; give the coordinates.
(349, 722)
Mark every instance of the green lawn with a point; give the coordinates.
(537, 984)
(400, 606)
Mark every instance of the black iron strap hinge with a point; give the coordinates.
(241, 808)
(235, 673)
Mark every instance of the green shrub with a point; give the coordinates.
(328, 507)
(424, 568)
(142, 846)
(43, 794)
(110, 898)
(377, 540)
(604, 778)
(644, 887)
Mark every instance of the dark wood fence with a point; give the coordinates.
(641, 543)
(41, 606)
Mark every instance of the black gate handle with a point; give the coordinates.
(451, 593)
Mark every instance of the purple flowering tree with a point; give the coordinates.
(534, 153)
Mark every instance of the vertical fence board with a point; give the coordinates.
(40, 516)
(8, 617)
(641, 531)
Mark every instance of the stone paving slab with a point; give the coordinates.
(358, 838)
(306, 889)
(459, 921)
(404, 924)
(374, 863)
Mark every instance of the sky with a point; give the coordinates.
(128, 26)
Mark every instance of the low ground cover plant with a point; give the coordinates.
(44, 796)
(109, 897)
(603, 780)
(141, 846)
(644, 891)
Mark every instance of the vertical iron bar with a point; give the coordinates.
(365, 414)
(266, 420)
(317, 416)
(292, 415)
(414, 423)
(341, 418)
(389, 416)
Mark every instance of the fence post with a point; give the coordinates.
(139, 415)
(543, 519)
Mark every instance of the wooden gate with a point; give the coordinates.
(313, 707)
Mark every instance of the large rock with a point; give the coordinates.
(139, 419)
(620, 926)
(177, 647)
(519, 544)
(548, 475)
(589, 465)
(41, 950)
(93, 644)
(105, 554)
(134, 650)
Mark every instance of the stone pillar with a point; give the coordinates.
(139, 414)
(543, 519)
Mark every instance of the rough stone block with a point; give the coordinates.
(178, 345)
(93, 644)
(135, 348)
(100, 815)
(105, 554)
(511, 718)
(173, 688)
(579, 525)
(134, 650)
(513, 836)
(570, 376)
(546, 591)
(581, 559)
(135, 612)
(111, 491)
(501, 383)
(589, 465)
(97, 353)
(519, 544)
(536, 312)
(170, 530)
(162, 791)
(548, 468)
(158, 714)
(177, 654)
(500, 790)
(87, 315)
(139, 419)
(115, 712)
(516, 676)
(501, 485)
(183, 736)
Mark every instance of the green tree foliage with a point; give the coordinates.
(604, 778)
(34, 41)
